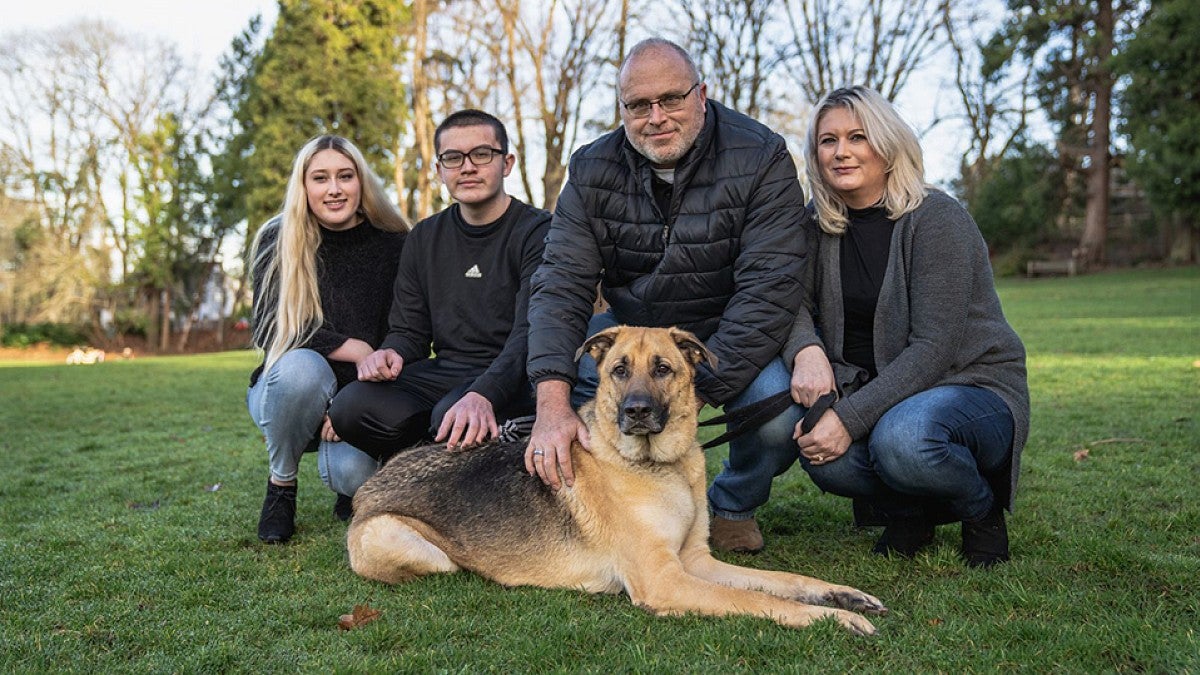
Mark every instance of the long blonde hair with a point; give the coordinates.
(290, 267)
(890, 137)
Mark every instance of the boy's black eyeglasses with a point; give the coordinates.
(668, 103)
(452, 159)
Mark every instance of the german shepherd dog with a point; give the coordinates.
(636, 519)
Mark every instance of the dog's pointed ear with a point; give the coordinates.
(598, 344)
(693, 348)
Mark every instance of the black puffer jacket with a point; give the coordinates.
(725, 263)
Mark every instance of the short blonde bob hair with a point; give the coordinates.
(890, 137)
(290, 266)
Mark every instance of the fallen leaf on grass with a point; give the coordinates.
(1081, 455)
(936, 621)
(212, 488)
(363, 615)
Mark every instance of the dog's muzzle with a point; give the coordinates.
(641, 415)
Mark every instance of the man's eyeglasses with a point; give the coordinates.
(452, 159)
(668, 103)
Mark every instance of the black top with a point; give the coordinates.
(464, 291)
(662, 196)
(864, 251)
(355, 271)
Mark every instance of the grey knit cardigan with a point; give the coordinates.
(938, 322)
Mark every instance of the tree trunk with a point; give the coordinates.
(622, 28)
(421, 114)
(1095, 229)
(1183, 236)
(509, 13)
(164, 307)
(221, 318)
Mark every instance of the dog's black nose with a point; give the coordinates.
(641, 414)
(637, 408)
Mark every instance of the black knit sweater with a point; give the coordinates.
(355, 272)
(464, 290)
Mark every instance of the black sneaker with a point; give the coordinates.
(343, 507)
(985, 541)
(278, 519)
(904, 538)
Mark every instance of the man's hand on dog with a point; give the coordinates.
(468, 422)
(554, 429)
(380, 365)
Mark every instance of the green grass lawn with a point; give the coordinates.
(130, 491)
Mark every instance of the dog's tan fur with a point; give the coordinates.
(636, 519)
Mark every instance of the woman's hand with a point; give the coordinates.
(826, 442)
(327, 432)
(812, 376)
(380, 366)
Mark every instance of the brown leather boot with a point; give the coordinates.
(740, 536)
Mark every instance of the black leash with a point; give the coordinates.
(758, 413)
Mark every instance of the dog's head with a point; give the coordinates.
(646, 375)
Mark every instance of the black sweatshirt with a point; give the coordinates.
(464, 290)
(355, 272)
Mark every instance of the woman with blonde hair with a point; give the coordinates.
(904, 328)
(323, 271)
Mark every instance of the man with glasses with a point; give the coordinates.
(690, 214)
(462, 289)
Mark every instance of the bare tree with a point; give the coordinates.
(622, 33)
(734, 49)
(53, 140)
(510, 14)
(875, 43)
(454, 51)
(995, 100)
(562, 50)
(1099, 158)
(421, 116)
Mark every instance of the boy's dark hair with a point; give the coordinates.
(471, 118)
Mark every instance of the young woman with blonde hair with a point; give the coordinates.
(323, 271)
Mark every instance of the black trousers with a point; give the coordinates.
(381, 418)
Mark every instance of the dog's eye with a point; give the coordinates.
(620, 370)
(663, 369)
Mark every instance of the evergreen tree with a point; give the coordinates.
(1161, 111)
(329, 66)
(1073, 41)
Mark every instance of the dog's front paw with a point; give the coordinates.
(854, 599)
(855, 623)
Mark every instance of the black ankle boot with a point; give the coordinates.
(904, 538)
(985, 541)
(343, 507)
(278, 519)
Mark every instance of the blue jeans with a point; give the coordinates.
(737, 483)
(756, 457)
(934, 446)
(288, 405)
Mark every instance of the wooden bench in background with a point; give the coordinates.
(1035, 268)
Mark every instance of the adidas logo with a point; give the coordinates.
(474, 273)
